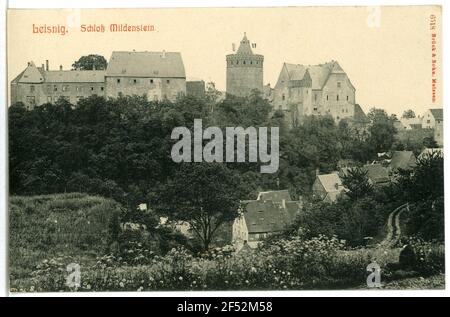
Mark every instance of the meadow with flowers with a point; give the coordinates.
(294, 262)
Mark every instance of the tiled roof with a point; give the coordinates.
(331, 182)
(146, 64)
(31, 74)
(318, 73)
(266, 216)
(74, 76)
(360, 116)
(438, 114)
(377, 173)
(275, 195)
(403, 160)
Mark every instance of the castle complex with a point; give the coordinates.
(159, 75)
(301, 90)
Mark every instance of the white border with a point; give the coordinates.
(203, 3)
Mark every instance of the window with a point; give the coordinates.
(79, 98)
(151, 81)
(327, 97)
(283, 97)
(428, 121)
(347, 97)
(102, 88)
(315, 97)
(337, 97)
(134, 81)
(31, 88)
(244, 62)
(315, 109)
(49, 99)
(338, 84)
(118, 80)
(31, 100)
(78, 88)
(337, 117)
(65, 88)
(168, 81)
(55, 88)
(92, 88)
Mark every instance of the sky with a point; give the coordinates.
(385, 51)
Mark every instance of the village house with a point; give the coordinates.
(432, 117)
(377, 174)
(402, 160)
(328, 187)
(270, 213)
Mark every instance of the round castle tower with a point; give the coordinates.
(244, 70)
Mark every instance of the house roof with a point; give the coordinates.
(403, 160)
(330, 182)
(74, 76)
(377, 173)
(319, 73)
(146, 64)
(275, 195)
(438, 113)
(266, 216)
(359, 115)
(30, 75)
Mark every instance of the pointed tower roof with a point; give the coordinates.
(244, 47)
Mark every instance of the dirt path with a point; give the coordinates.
(393, 227)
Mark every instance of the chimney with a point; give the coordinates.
(317, 171)
(42, 67)
(28, 63)
(60, 67)
(163, 54)
(46, 64)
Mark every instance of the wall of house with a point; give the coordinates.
(153, 88)
(239, 230)
(428, 121)
(338, 97)
(439, 132)
(51, 92)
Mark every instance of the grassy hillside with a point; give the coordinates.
(62, 225)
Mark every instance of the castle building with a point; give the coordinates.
(244, 70)
(158, 75)
(314, 90)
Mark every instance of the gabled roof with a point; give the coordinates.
(75, 76)
(146, 64)
(30, 75)
(266, 216)
(377, 173)
(331, 182)
(275, 195)
(319, 73)
(359, 115)
(438, 113)
(403, 160)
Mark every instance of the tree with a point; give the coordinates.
(90, 62)
(357, 183)
(204, 195)
(382, 131)
(408, 114)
